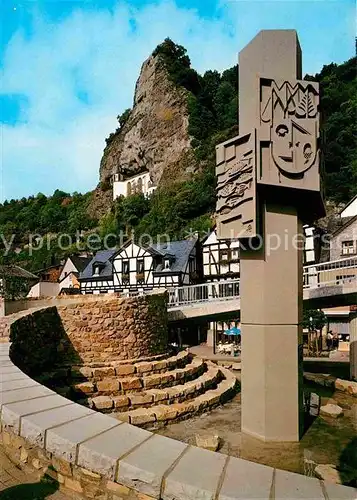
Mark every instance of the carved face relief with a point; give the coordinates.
(293, 146)
(291, 110)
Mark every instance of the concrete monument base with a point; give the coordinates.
(271, 304)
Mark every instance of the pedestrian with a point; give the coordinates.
(329, 338)
(335, 341)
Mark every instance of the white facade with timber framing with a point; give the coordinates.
(135, 269)
(220, 258)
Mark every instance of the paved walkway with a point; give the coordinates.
(206, 352)
(16, 485)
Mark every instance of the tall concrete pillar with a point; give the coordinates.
(268, 182)
(353, 345)
(271, 281)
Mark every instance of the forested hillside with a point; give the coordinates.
(179, 207)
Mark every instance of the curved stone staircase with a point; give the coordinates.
(148, 392)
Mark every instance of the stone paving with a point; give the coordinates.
(15, 484)
(97, 457)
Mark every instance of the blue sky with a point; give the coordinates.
(69, 68)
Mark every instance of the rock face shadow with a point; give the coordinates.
(40, 342)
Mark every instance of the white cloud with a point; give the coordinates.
(98, 54)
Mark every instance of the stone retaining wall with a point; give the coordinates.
(81, 332)
(339, 384)
(121, 328)
(95, 456)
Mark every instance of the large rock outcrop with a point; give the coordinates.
(154, 137)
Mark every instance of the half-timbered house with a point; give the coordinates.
(220, 258)
(135, 268)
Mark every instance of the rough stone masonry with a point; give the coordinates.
(86, 331)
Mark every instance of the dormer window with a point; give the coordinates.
(125, 268)
(167, 264)
(97, 268)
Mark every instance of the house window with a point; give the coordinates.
(192, 266)
(235, 254)
(125, 268)
(96, 271)
(224, 256)
(166, 264)
(140, 267)
(348, 247)
(139, 187)
(345, 277)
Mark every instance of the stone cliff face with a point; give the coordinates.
(154, 138)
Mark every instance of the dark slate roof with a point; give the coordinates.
(80, 262)
(179, 250)
(102, 257)
(70, 291)
(348, 204)
(17, 271)
(347, 221)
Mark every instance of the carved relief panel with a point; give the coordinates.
(289, 134)
(236, 188)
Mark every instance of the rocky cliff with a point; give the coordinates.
(154, 136)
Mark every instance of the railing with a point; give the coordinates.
(331, 273)
(337, 272)
(207, 292)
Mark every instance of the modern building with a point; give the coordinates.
(136, 269)
(140, 183)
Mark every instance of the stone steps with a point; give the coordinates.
(150, 392)
(162, 414)
(113, 385)
(151, 397)
(64, 377)
(144, 366)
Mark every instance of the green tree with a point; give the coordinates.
(12, 287)
(124, 117)
(225, 104)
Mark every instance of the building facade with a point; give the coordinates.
(136, 269)
(343, 243)
(220, 258)
(72, 268)
(141, 183)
